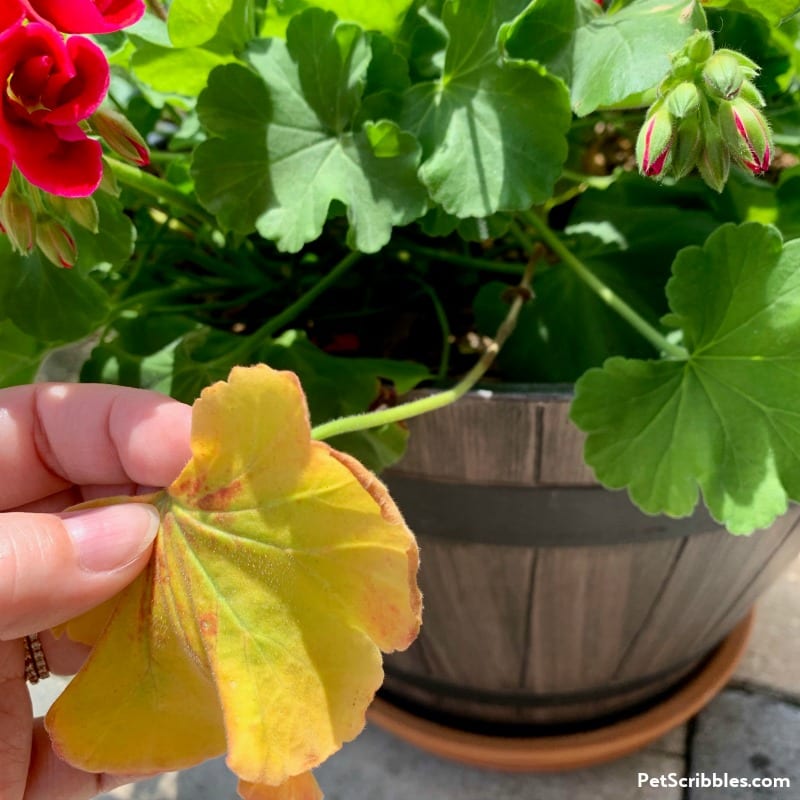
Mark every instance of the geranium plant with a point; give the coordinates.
(338, 188)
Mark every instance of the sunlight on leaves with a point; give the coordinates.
(493, 133)
(725, 420)
(281, 173)
(281, 568)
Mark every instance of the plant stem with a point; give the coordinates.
(273, 325)
(374, 419)
(444, 326)
(604, 292)
(151, 185)
(158, 8)
(505, 267)
(302, 303)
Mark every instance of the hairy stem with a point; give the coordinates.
(604, 292)
(156, 187)
(415, 408)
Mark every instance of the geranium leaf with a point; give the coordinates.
(338, 386)
(281, 567)
(283, 175)
(604, 57)
(192, 22)
(176, 71)
(493, 132)
(20, 355)
(48, 302)
(385, 16)
(725, 420)
(776, 11)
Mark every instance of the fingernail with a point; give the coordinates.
(109, 538)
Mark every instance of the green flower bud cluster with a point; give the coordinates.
(707, 115)
(32, 218)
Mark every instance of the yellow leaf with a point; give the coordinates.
(300, 787)
(281, 568)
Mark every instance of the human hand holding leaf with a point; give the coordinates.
(282, 566)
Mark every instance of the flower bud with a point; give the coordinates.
(749, 93)
(700, 46)
(683, 100)
(108, 183)
(748, 67)
(654, 143)
(121, 136)
(84, 211)
(747, 134)
(682, 68)
(687, 148)
(723, 74)
(18, 220)
(715, 161)
(56, 242)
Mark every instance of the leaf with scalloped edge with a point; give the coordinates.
(281, 568)
(493, 131)
(726, 419)
(287, 142)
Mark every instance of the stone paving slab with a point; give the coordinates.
(773, 656)
(377, 766)
(747, 735)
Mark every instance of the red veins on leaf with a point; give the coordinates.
(88, 16)
(49, 85)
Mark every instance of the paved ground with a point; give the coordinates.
(751, 730)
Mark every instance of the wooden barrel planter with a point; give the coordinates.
(550, 603)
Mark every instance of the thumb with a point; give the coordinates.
(53, 568)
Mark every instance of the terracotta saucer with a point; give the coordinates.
(575, 750)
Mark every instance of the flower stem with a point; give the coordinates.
(604, 292)
(374, 419)
(505, 267)
(271, 326)
(152, 185)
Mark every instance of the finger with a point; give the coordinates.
(64, 657)
(56, 435)
(50, 778)
(53, 569)
(15, 722)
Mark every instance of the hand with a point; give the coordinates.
(61, 444)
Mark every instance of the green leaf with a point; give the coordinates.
(385, 16)
(775, 11)
(283, 174)
(20, 355)
(230, 172)
(112, 245)
(564, 330)
(46, 302)
(337, 386)
(192, 22)
(725, 420)
(610, 57)
(178, 71)
(492, 133)
(140, 353)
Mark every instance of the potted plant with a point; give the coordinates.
(338, 190)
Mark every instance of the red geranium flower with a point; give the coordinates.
(11, 12)
(48, 86)
(88, 16)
